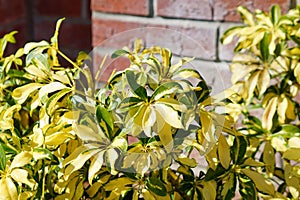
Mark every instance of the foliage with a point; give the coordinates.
(64, 137)
(266, 76)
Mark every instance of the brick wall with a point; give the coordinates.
(35, 20)
(187, 27)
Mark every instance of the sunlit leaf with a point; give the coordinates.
(260, 181)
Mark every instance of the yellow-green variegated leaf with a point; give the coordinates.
(250, 85)
(164, 131)
(21, 176)
(120, 183)
(224, 151)
(51, 87)
(246, 15)
(230, 33)
(58, 138)
(21, 159)
(263, 81)
(31, 45)
(169, 115)
(8, 190)
(20, 94)
(267, 120)
(240, 71)
(260, 181)
(95, 166)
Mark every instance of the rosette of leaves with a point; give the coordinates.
(266, 77)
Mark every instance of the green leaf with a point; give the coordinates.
(224, 152)
(247, 188)
(292, 154)
(157, 186)
(166, 89)
(2, 158)
(238, 150)
(287, 130)
(246, 15)
(103, 114)
(228, 188)
(229, 34)
(260, 181)
(264, 47)
(275, 14)
(135, 87)
(119, 53)
(52, 101)
(269, 158)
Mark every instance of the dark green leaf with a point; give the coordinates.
(135, 87)
(165, 89)
(157, 186)
(264, 47)
(275, 14)
(119, 53)
(2, 158)
(238, 149)
(228, 188)
(247, 188)
(103, 114)
(213, 174)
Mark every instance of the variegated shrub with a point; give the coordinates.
(266, 76)
(62, 137)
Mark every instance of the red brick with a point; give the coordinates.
(226, 10)
(189, 40)
(72, 35)
(21, 36)
(109, 66)
(226, 52)
(61, 8)
(133, 7)
(188, 9)
(11, 10)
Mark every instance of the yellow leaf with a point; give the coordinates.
(95, 166)
(148, 120)
(51, 87)
(20, 175)
(251, 83)
(79, 161)
(267, 119)
(240, 71)
(269, 158)
(168, 114)
(209, 190)
(164, 131)
(260, 181)
(224, 151)
(20, 94)
(21, 159)
(58, 138)
(282, 107)
(263, 81)
(292, 154)
(8, 189)
(147, 195)
(119, 183)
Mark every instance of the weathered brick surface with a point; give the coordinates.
(226, 52)
(187, 9)
(189, 40)
(226, 10)
(110, 64)
(11, 10)
(133, 7)
(62, 8)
